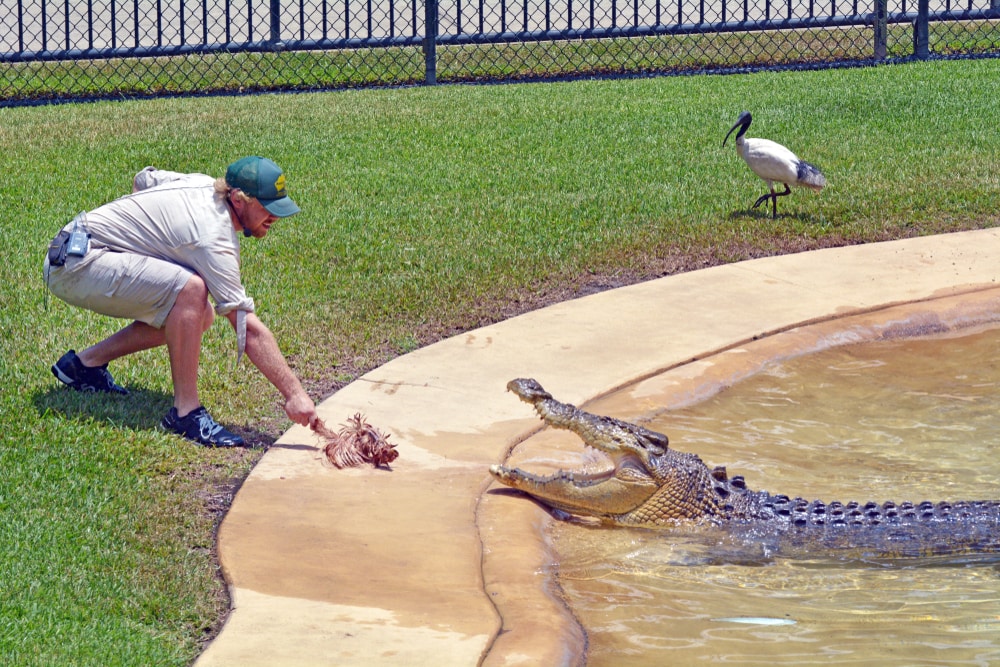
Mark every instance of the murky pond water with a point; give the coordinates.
(905, 420)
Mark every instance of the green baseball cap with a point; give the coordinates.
(262, 179)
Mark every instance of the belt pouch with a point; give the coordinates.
(57, 249)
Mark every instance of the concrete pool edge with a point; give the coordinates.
(374, 567)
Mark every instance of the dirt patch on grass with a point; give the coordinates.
(663, 260)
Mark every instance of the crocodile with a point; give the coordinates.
(654, 486)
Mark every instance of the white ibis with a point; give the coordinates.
(774, 163)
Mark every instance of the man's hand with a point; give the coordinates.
(301, 410)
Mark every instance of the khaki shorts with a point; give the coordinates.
(119, 284)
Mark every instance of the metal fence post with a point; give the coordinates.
(275, 21)
(921, 31)
(881, 29)
(430, 41)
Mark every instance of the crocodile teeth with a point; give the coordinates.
(564, 476)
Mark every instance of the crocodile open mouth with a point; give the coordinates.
(599, 467)
(575, 477)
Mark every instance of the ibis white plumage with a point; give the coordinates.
(774, 164)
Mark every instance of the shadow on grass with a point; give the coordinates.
(761, 214)
(141, 410)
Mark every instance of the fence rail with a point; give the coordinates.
(79, 48)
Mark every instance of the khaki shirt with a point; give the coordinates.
(177, 218)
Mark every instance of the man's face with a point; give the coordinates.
(256, 218)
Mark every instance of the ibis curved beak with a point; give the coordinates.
(744, 120)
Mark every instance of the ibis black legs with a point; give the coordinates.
(773, 196)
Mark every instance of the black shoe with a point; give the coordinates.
(199, 426)
(70, 371)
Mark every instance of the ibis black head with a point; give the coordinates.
(744, 120)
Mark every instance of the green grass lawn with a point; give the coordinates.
(426, 212)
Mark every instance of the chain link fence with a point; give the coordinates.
(72, 49)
